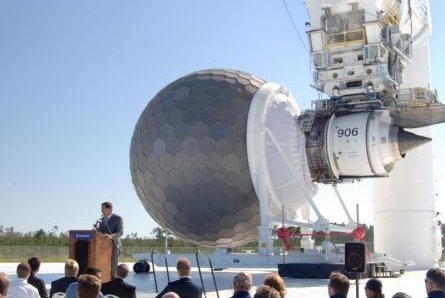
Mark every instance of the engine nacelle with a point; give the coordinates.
(356, 145)
(362, 144)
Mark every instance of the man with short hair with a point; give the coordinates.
(34, 280)
(4, 284)
(338, 286)
(171, 295)
(20, 288)
(60, 285)
(112, 226)
(71, 291)
(118, 286)
(184, 287)
(88, 286)
(435, 283)
(242, 282)
(264, 291)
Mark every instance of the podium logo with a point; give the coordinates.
(82, 235)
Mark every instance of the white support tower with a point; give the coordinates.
(405, 222)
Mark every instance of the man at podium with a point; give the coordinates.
(112, 226)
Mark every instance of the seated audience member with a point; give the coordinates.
(373, 288)
(338, 286)
(117, 286)
(4, 284)
(88, 286)
(34, 280)
(266, 292)
(60, 285)
(71, 291)
(435, 283)
(170, 295)
(275, 281)
(20, 288)
(401, 295)
(184, 286)
(242, 282)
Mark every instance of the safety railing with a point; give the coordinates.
(154, 269)
(211, 270)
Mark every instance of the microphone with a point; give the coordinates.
(96, 225)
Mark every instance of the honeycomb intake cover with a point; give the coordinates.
(188, 158)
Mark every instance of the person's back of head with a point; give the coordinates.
(23, 270)
(71, 268)
(401, 295)
(338, 284)
(170, 295)
(242, 282)
(34, 264)
(264, 291)
(88, 286)
(435, 280)
(275, 281)
(373, 288)
(4, 284)
(183, 266)
(122, 271)
(94, 271)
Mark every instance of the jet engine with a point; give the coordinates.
(211, 143)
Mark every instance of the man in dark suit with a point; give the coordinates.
(112, 226)
(338, 286)
(435, 283)
(184, 287)
(60, 285)
(118, 286)
(242, 282)
(33, 279)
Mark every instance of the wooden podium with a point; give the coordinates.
(91, 248)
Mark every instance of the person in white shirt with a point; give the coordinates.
(20, 288)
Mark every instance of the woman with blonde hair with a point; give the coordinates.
(275, 281)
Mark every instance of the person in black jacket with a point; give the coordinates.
(435, 283)
(338, 286)
(34, 280)
(60, 285)
(117, 286)
(242, 282)
(184, 287)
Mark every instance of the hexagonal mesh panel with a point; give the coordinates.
(189, 158)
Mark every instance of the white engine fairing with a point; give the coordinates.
(276, 151)
(362, 144)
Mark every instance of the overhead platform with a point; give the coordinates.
(413, 117)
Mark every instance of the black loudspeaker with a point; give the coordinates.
(141, 266)
(355, 259)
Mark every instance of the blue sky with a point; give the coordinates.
(75, 76)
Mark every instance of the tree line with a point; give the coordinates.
(10, 237)
(159, 238)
